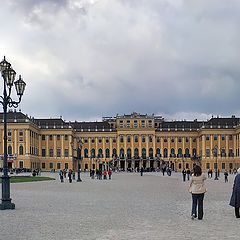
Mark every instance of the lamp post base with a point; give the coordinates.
(7, 205)
(6, 200)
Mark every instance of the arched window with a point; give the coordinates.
(107, 153)
(136, 155)
(165, 153)
(114, 152)
(194, 153)
(172, 152)
(122, 153)
(129, 153)
(144, 155)
(187, 152)
(136, 138)
(100, 153)
(86, 153)
(158, 152)
(128, 139)
(9, 149)
(150, 153)
(21, 150)
(93, 154)
(179, 152)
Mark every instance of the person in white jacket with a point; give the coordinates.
(197, 189)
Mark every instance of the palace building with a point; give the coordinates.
(123, 141)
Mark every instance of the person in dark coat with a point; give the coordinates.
(184, 172)
(235, 198)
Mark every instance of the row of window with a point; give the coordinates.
(129, 153)
(135, 123)
(50, 137)
(223, 137)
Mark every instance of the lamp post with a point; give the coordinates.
(79, 157)
(215, 150)
(8, 75)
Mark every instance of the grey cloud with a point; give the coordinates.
(108, 57)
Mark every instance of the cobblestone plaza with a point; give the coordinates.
(127, 207)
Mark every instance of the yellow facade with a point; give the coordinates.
(128, 141)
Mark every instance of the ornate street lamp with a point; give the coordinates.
(79, 157)
(8, 75)
(215, 151)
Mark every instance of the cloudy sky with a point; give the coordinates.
(84, 59)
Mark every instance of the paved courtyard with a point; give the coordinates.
(127, 207)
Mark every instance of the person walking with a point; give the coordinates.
(70, 176)
(141, 171)
(235, 198)
(226, 175)
(110, 174)
(105, 174)
(184, 172)
(61, 176)
(197, 189)
(188, 174)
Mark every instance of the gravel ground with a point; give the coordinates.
(127, 207)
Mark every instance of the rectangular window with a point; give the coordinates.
(66, 165)
(43, 165)
(43, 138)
(135, 124)
(121, 123)
(9, 133)
(208, 165)
(58, 165)
(223, 137)
(58, 137)
(215, 137)
(21, 133)
(121, 139)
(66, 137)
(187, 139)
(59, 152)
(21, 164)
(223, 165)
(158, 139)
(128, 123)
(50, 152)
(150, 138)
(50, 137)
(66, 153)
(150, 123)
(230, 137)
(207, 137)
(51, 165)
(207, 152)
(143, 123)
(43, 152)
